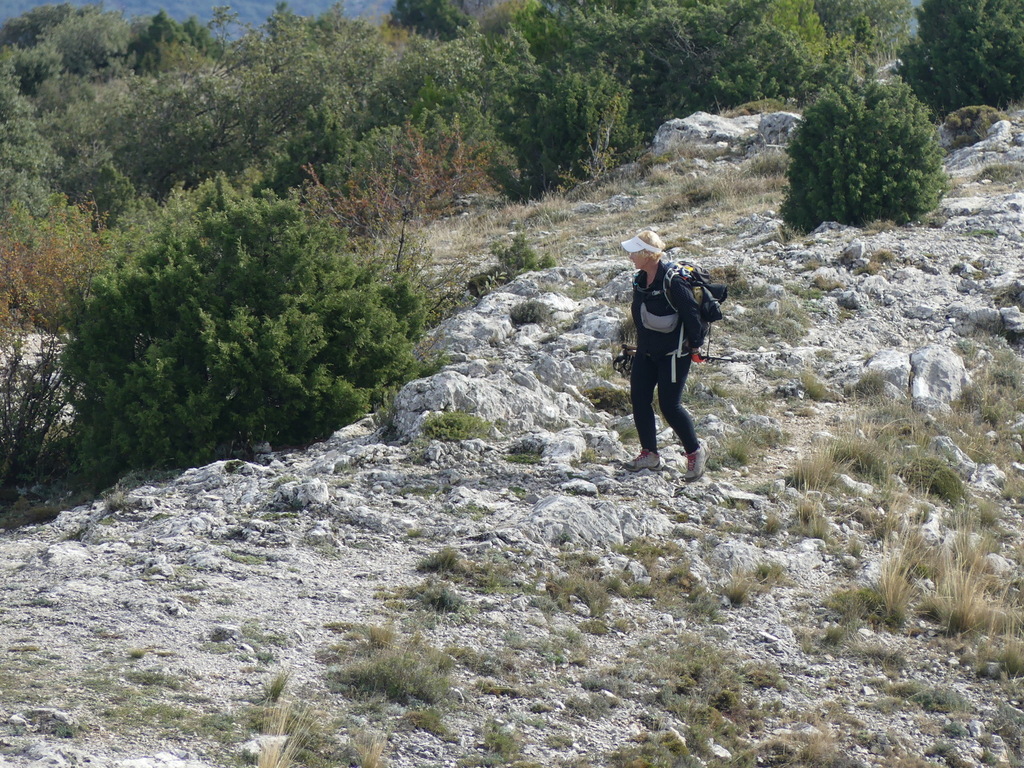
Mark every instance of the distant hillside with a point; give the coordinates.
(253, 12)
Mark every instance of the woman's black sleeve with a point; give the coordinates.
(634, 309)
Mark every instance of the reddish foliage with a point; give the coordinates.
(44, 261)
(407, 178)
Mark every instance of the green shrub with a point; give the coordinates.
(443, 561)
(437, 596)
(428, 720)
(514, 258)
(403, 673)
(969, 125)
(931, 698)
(932, 475)
(863, 155)
(454, 425)
(528, 312)
(518, 256)
(610, 399)
(238, 321)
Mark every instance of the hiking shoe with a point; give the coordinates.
(646, 460)
(695, 463)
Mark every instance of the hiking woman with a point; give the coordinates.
(668, 329)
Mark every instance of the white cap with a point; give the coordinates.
(635, 244)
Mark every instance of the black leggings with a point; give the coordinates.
(649, 372)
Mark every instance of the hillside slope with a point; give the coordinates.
(437, 590)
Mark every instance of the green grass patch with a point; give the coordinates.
(452, 426)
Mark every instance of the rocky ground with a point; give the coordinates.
(424, 589)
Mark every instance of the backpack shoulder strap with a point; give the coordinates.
(688, 274)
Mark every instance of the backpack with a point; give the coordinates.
(709, 298)
(709, 295)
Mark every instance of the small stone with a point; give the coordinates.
(720, 752)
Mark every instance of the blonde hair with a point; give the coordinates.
(651, 237)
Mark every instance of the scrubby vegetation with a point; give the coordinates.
(159, 176)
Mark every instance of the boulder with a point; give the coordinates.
(777, 128)
(702, 128)
(1003, 144)
(517, 399)
(938, 376)
(893, 365)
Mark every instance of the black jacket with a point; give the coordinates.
(691, 325)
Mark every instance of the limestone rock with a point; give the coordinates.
(938, 375)
(561, 519)
(701, 127)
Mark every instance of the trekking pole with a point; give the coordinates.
(697, 357)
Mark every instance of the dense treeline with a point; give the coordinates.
(113, 111)
(181, 158)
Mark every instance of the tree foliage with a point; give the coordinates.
(442, 19)
(881, 26)
(142, 108)
(241, 321)
(343, 131)
(576, 129)
(165, 45)
(27, 160)
(399, 175)
(46, 261)
(45, 264)
(967, 53)
(864, 154)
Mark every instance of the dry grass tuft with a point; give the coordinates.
(814, 747)
(286, 732)
(743, 583)
(404, 671)
(812, 520)
(369, 749)
(896, 586)
(815, 472)
(968, 599)
(275, 687)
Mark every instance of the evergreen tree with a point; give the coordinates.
(864, 154)
(967, 53)
(883, 26)
(164, 44)
(241, 321)
(432, 18)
